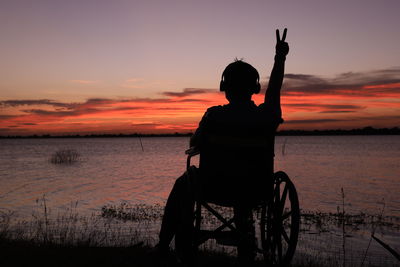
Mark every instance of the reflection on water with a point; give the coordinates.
(366, 167)
(115, 170)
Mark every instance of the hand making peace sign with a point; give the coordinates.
(281, 48)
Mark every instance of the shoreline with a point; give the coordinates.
(124, 235)
(330, 132)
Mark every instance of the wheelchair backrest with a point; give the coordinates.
(237, 163)
(237, 156)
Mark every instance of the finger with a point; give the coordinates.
(278, 38)
(284, 35)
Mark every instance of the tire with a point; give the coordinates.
(280, 222)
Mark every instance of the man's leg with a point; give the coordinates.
(185, 233)
(170, 220)
(178, 213)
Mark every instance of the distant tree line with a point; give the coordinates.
(100, 135)
(360, 131)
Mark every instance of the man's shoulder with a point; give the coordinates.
(215, 108)
(219, 108)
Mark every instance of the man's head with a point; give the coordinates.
(240, 81)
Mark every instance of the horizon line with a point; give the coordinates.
(356, 131)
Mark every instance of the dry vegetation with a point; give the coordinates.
(65, 156)
(123, 234)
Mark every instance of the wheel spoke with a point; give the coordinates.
(285, 236)
(279, 244)
(264, 230)
(286, 215)
(283, 198)
(273, 247)
(280, 222)
(277, 194)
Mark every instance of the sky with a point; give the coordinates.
(82, 67)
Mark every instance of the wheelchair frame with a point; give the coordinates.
(278, 219)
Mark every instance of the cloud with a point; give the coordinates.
(329, 106)
(378, 83)
(192, 100)
(189, 92)
(304, 77)
(50, 110)
(86, 108)
(325, 108)
(29, 102)
(6, 130)
(336, 111)
(311, 121)
(352, 99)
(146, 125)
(5, 117)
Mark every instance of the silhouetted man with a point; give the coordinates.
(232, 166)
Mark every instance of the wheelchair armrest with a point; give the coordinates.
(193, 151)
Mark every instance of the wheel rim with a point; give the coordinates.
(280, 222)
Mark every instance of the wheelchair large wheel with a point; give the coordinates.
(280, 221)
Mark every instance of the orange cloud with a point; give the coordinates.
(350, 100)
(99, 114)
(383, 86)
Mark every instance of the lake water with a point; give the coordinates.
(115, 170)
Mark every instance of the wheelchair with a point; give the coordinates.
(277, 218)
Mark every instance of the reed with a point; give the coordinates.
(68, 229)
(65, 156)
(135, 227)
(343, 230)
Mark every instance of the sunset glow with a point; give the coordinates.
(346, 107)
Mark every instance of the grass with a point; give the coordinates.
(65, 156)
(68, 229)
(126, 212)
(122, 235)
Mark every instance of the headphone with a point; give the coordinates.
(255, 89)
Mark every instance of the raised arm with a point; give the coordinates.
(273, 93)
